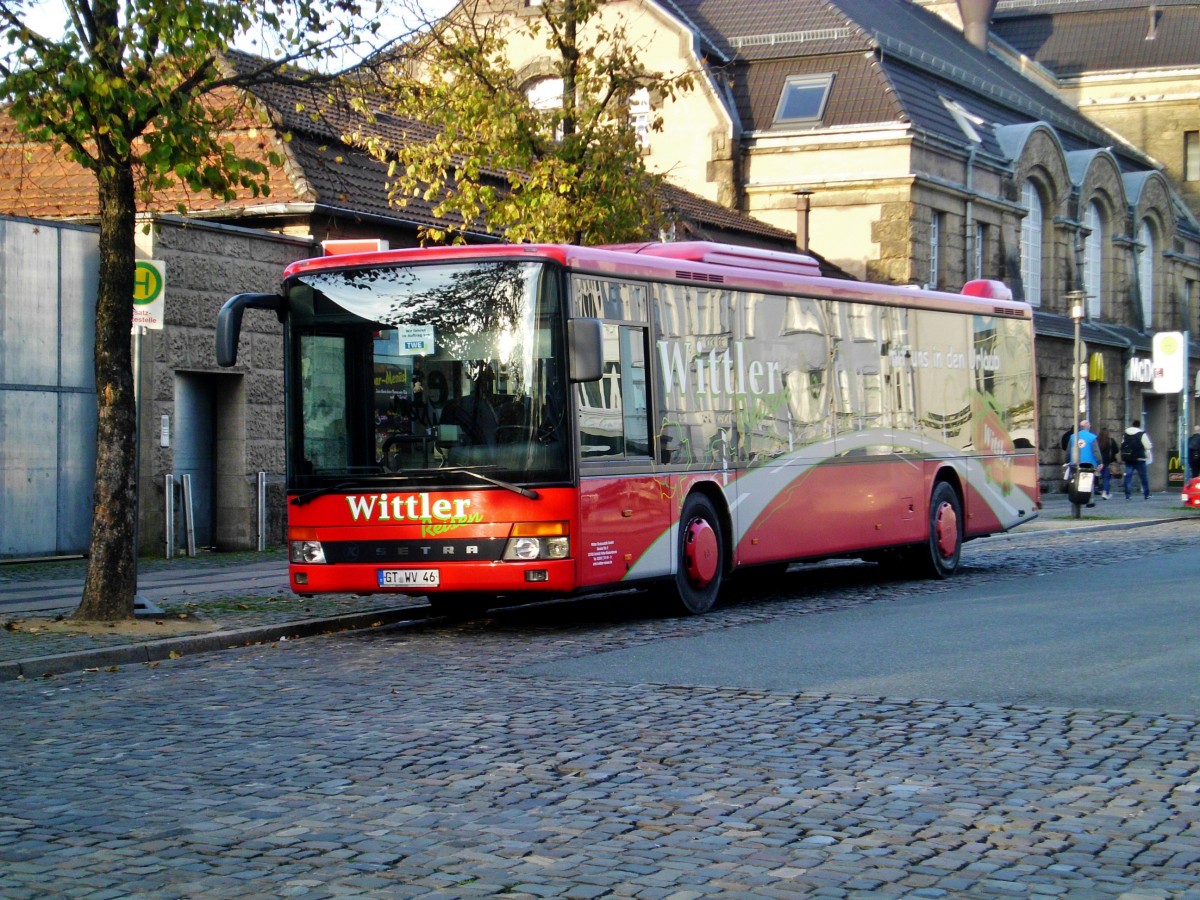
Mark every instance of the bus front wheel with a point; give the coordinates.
(944, 546)
(701, 556)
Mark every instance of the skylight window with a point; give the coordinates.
(971, 124)
(803, 99)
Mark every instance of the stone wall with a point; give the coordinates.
(240, 410)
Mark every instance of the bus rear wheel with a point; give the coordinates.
(701, 556)
(944, 547)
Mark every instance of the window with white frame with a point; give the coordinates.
(1093, 259)
(1031, 245)
(803, 99)
(639, 116)
(546, 95)
(980, 251)
(1191, 156)
(1146, 272)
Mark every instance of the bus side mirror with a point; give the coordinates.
(586, 339)
(229, 322)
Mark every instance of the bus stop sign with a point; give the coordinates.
(149, 294)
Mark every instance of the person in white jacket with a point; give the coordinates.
(1137, 453)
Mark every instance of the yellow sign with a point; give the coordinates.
(149, 290)
(147, 283)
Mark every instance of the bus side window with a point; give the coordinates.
(613, 412)
(324, 436)
(633, 391)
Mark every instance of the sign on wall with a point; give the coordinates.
(149, 294)
(1169, 361)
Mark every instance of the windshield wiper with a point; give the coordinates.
(309, 496)
(507, 485)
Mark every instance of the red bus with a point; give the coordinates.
(492, 425)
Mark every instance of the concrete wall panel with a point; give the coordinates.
(29, 303)
(28, 472)
(79, 280)
(76, 469)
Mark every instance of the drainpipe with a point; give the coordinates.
(969, 216)
(803, 207)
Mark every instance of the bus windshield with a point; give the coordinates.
(443, 374)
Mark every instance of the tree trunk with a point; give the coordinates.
(108, 592)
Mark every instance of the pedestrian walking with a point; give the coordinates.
(1194, 453)
(1136, 453)
(1109, 452)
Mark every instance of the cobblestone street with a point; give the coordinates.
(419, 761)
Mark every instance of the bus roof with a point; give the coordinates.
(705, 262)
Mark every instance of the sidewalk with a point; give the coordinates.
(222, 600)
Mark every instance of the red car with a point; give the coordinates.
(1191, 493)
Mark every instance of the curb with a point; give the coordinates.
(1018, 534)
(188, 645)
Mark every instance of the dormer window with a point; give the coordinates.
(803, 99)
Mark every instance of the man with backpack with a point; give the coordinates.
(1137, 454)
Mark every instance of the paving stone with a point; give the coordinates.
(421, 763)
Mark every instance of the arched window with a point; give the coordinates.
(1146, 273)
(546, 95)
(1031, 245)
(1093, 259)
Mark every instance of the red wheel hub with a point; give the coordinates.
(699, 553)
(945, 526)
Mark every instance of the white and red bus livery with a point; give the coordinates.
(492, 425)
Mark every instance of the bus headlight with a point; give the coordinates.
(308, 552)
(537, 540)
(524, 548)
(531, 548)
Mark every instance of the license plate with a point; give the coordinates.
(409, 578)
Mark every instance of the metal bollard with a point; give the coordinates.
(262, 511)
(169, 513)
(189, 524)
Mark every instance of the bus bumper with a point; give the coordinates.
(540, 577)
